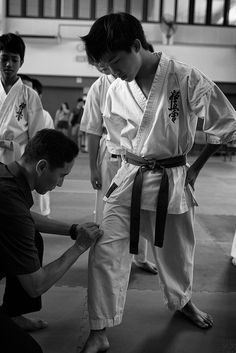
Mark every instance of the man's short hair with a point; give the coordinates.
(111, 33)
(51, 145)
(13, 43)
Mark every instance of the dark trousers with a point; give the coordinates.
(16, 301)
(13, 339)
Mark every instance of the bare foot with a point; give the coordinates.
(97, 342)
(197, 316)
(147, 266)
(29, 324)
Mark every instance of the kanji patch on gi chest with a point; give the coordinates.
(19, 111)
(174, 108)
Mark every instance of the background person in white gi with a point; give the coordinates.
(42, 202)
(152, 111)
(105, 159)
(233, 250)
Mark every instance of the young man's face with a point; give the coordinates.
(122, 64)
(9, 65)
(48, 179)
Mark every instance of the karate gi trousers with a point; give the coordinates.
(110, 263)
(108, 166)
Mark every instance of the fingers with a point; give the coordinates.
(96, 184)
(87, 234)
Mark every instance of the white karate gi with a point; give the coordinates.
(233, 249)
(161, 126)
(92, 123)
(22, 116)
(42, 202)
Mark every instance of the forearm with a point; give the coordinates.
(56, 269)
(93, 148)
(37, 283)
(51, 226)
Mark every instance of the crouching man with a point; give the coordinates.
(49, 156)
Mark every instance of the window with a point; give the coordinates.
(182, 15)
(136, 9)
(217, 12)
(67, 8)
(32, 8)
(84, 9)
(14, 8)
(119, 5)
(101, 8)
(232, 13)
(49, 8)
(200, 11)
(153, 10)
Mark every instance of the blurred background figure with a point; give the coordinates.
(233, 250)
(38, 87)
(75, 119)
(62, 118)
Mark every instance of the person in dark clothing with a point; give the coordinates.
(47, 159)
(76, 115)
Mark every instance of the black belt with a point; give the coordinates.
(162, 201)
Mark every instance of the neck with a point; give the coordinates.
(8, 82)
(28, 171)
(147, 71)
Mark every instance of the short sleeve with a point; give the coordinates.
(92, 119)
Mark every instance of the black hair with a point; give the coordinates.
(51, 145)
(12, 43)
(37, 85)
(113, 32)
(25, 77)
(80, 100)
(66, 104)
(150, 48)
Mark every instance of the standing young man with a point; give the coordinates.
(47, 159)
(104, 157)
(152, 108)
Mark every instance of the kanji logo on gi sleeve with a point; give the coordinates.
(173, 98)
(19, 111)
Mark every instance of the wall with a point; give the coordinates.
(211, 49)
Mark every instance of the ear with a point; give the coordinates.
(137, 45)
(41, 166)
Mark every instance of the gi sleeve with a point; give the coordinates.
(210, 104)
(113, 122)
(36, 118)
(92, 119)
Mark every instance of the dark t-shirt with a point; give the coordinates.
(18, 254)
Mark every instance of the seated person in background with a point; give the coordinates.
(47, 159)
